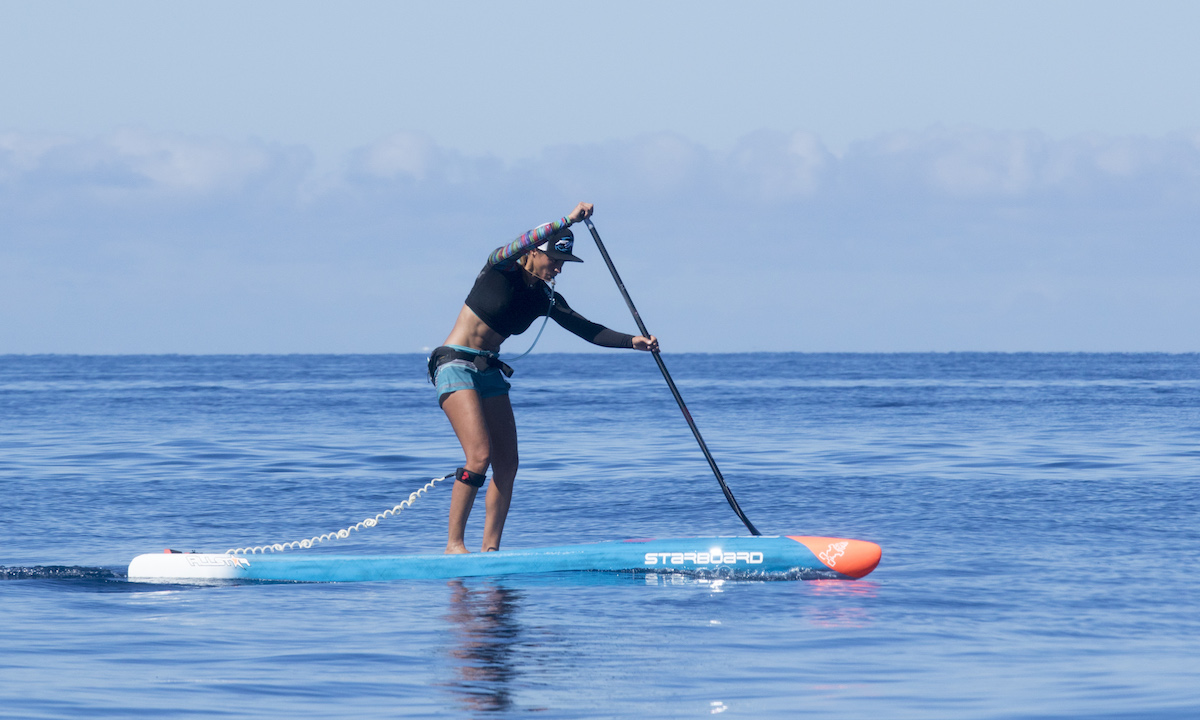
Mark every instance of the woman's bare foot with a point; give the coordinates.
(456, 549)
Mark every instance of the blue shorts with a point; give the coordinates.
(464, 375)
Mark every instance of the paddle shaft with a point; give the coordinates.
(670, 383)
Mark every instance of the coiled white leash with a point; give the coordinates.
(340, 534)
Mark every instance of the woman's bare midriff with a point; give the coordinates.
(470, 331)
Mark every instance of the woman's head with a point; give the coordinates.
(561, 246)
(545, 261)
(541, 265)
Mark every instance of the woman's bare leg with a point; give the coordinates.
(502, 430)
(466, 414)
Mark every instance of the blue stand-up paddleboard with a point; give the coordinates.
(780, 557)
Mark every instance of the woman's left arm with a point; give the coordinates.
(645, 343)
(596, 333)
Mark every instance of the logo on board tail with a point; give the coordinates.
(203, 560)
(835, 550)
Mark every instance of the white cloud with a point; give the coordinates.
(135, 165)
(662, 162)
(191, 167)
(976, 163)
(986, 164)
(404, 154)
(21, 153)
(780, 167)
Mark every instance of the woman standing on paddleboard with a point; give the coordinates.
(513, 289)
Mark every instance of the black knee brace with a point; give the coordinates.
(473, 479)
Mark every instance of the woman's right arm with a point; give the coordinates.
(507, 254)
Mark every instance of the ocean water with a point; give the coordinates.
(1038, 515)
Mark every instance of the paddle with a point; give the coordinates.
(670, 383)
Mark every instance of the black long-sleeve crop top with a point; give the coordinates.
(501, 299)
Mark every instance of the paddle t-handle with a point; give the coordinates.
(712, 463)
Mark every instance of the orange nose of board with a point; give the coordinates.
(853, 558)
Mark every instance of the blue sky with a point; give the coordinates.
(304, 177)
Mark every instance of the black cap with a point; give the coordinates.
(560, 245)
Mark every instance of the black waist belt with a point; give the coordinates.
(442, 355)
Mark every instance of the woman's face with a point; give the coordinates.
(542, 266)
